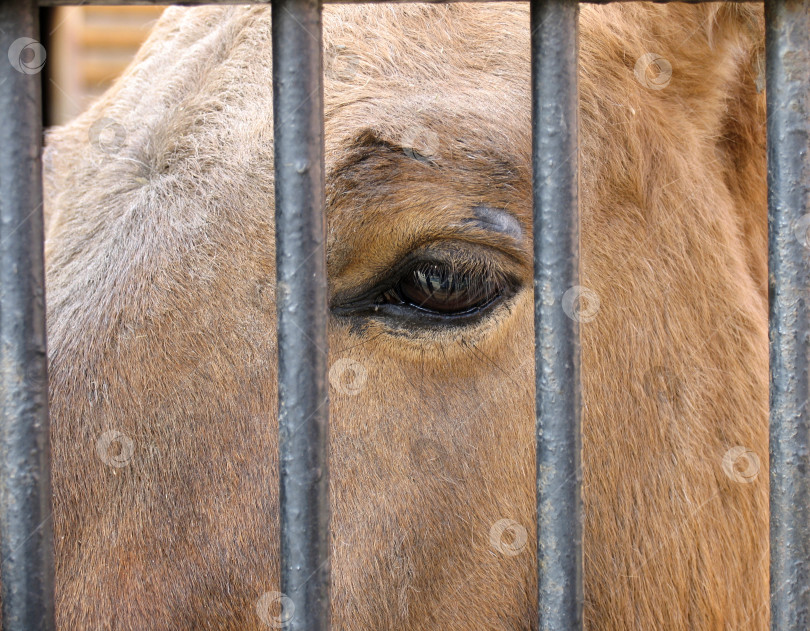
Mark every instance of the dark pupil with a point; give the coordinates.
(437, 288)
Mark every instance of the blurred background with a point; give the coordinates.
(87, 49)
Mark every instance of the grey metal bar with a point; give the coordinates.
(26, 534)
(554, 54)
(302, 312)
(787, 39)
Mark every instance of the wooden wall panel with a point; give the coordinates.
(89, 48)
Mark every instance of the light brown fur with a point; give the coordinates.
(161, 318)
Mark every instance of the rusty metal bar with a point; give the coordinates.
(787, 42)
(554, 59)
(302, 313)
(26, 534)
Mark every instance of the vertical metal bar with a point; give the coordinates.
(788, 98)
(554, 54)
(26, 533)
(302, 311)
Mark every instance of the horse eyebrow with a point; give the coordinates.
(368, 143)
(495, 220)
(501, 224)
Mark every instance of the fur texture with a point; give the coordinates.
(161, 316)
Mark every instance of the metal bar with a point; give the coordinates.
(26, 534)
(554, 54)
(302, 312)
(59, 3)
(787, 39)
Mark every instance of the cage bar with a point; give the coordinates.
(26, 532)
(787, 41)
(302, 313)
(25, 497)
(554, 60)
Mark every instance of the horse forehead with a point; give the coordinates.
(414, 52)
(428, 77)
(201, 88)
(380, 62)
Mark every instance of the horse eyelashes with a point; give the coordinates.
(442, 289)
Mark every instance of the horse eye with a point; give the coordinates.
(439, 289)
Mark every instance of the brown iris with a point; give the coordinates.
(441, 289)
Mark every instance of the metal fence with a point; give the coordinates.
(25, 512)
